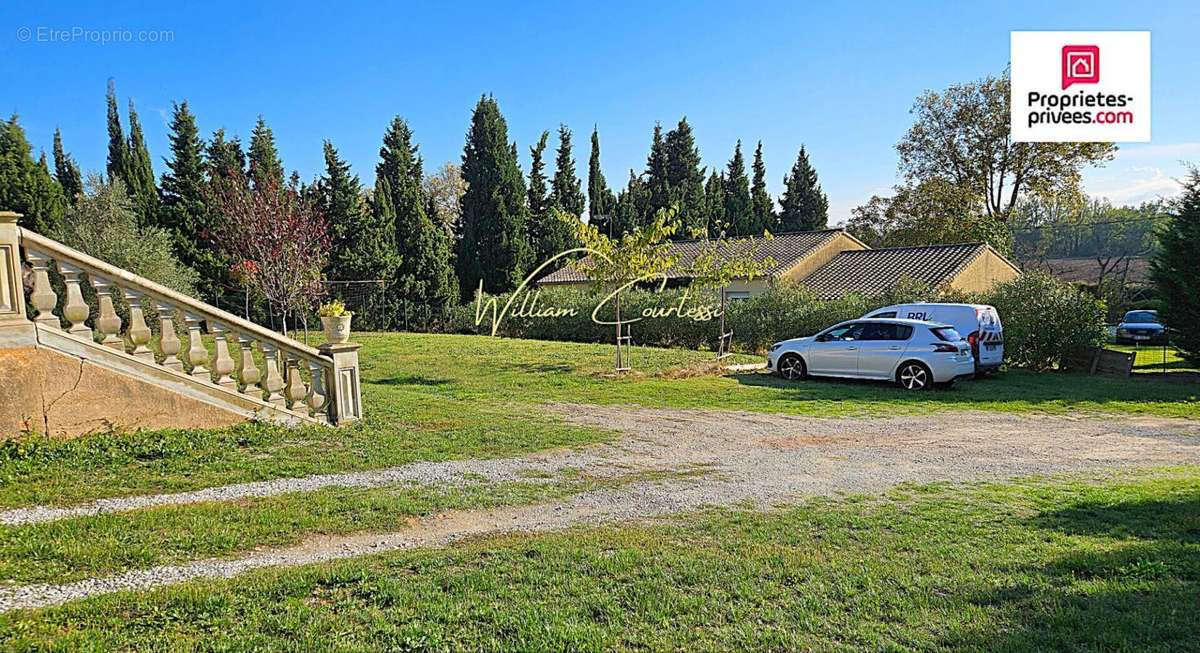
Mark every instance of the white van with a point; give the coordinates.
(979, 323)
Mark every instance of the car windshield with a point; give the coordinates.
(1141, 316)
(947, 333)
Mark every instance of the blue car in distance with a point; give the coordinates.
(1141, 327)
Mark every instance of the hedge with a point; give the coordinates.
(1044, 319)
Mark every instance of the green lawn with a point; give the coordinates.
(1152, 358)
(437, 397)
(1098, 564)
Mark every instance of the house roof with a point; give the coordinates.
(786, 250)
(873, 271)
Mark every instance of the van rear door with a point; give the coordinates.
(991, 336)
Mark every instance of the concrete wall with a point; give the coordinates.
(988, 269)
(54, 393)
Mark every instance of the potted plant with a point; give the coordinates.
(336, 320)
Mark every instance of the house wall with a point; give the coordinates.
(988, 269)
(817, 259)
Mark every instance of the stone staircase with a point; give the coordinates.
(62, 377)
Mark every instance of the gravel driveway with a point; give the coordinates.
(746, 458)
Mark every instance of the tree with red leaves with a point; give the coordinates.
(278, 232)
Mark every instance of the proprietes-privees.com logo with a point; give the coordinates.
(1080, 86)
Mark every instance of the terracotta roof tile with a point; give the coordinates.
(784, 249)
(874, 271)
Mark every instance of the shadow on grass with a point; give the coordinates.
(1139, 589)
(1010, 386)
(413, 379)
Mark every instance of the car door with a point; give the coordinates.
(880, 348)
(835, 352)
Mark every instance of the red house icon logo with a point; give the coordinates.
(1080, 65)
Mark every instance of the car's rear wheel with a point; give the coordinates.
(914, 376)
(791, 367)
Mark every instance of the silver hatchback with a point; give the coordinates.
(912, 353)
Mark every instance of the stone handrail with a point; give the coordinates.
(332, 393)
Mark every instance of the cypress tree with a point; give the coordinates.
(117, 147)
(738, 210)
(566, 190)
(26, 185)
(538, 195)
(66, 171)
(1175, 273)
(423, 280)
(685, 178)
(225, 158)
(658, 184)
(492, 247)
(804, 206)
(714, 204)
(184, 213)
(632, 206)
(138, 174)
(601, 201)
(264, 158)
(760, 200)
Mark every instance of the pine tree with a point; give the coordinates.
(803, 206)
(714, 204)
(225, 158)
(66, 171)
(685, 179)
(658, 184)
(1175, 273)
(184, 213)
(601, 201)
(566, 190)
(492, 247)
(138, 173)
(264, 158)
(762, 207)
(26, 185)
(738, 210)
(117, 147)
(423, 281)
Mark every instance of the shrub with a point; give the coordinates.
(1045, 320)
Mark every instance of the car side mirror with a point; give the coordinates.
(822, 338)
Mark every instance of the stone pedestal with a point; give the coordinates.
(345, 390)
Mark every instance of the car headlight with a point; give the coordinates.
(776, 346)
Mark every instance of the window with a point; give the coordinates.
(1142, 317)
(887, 315)
(947, 333)
(737, 294)
(843, 333)
(886, 332)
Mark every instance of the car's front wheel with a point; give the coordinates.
(791, 367)
(914, 376)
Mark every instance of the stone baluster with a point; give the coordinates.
(43, 297)
(197, 355)
(248, 372)
(168, 342)
(139, 332)
(75, 310)
(344, 385)
(317, 401)
(223, 363)
(273, 382)
(15, 328)
(295, 391)
(108, 323)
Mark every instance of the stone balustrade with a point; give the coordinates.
(246, 359)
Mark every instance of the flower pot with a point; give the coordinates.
(337, 329)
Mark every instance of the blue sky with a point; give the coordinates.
(839, 77)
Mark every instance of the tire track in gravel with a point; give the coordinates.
(752, 458)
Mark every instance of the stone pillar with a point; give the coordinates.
(16, 330)
(345, 393)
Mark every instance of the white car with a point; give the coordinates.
(913, 353)
(978, 323)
